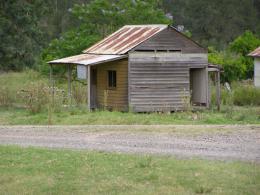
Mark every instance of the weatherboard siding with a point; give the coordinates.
(171, 39)
(257, 72)
(117, 98)
(160, 81)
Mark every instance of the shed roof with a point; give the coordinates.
(255, 53)
(115, 46)
(88, 59)
(125, 39)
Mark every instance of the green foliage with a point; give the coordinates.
(237, 65)
(70, 43)
(246, 95)
(241, 94)
(98, 19)
(20, 33)
(243, 45)
(215, 22)
(6, 97)
(36, 97)
(233, 65)
(107, 16)
(27, 27)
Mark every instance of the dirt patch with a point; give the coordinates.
(222, 142)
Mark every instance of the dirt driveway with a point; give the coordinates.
(210, 142)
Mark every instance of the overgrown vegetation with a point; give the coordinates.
(28, 94)
(234, 60)
(27, 99)
(32, 91)
(241, 94)
(43, 171)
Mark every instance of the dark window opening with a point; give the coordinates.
(112, 79)
(176, 50)
(145, 50)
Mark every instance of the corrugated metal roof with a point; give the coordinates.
(125, 39)
(255, 53)
(87, 59)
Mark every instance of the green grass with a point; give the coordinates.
(16, 114)
(42, 171)
(76, 116)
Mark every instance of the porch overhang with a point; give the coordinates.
(87, 59)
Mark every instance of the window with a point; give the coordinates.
(112, 79)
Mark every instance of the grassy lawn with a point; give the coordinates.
(15, 114)
(42, 171)
(76, 116)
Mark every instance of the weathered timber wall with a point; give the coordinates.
(161, 81)
(257, 72)
(199, 86)
(170, 39)
(115, 99)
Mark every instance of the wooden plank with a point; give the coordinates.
(218, 89)
(69, 83)
(118, 97)
(52, 82)
(157, 82)
(170, 39)
(89, 87)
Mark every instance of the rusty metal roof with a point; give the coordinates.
(255, 53)
(125, 39)
(87, 59)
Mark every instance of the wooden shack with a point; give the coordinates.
(256, 55)
(144, 68)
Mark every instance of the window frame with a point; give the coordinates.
(111, 79)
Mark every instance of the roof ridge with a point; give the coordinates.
(125, 38)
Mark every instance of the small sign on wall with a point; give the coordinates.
(82, 72)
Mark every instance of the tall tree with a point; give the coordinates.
(215, 22)
(19, 32)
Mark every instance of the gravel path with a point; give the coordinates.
(226, 143)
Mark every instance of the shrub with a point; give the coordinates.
(38, 97)
(246, 95)
(226, 96)
(35, 97)
(79, 93)
(6, 98)
(234, 65)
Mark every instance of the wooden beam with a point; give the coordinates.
(89, 86)
(69, 83)
(218, 89)
(52, 83)
(207, 88)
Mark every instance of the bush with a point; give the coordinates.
(6, 98)
(38, 97)
(35, 97)
(246, 96)
(79, 93)
(234, 65)
(226, 96)
(243, 93)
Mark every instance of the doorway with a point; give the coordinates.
(198, 86)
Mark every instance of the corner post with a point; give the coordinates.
(207, 88)
(218, 89)
(52, 82)
(69, 82)
(89, 87)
